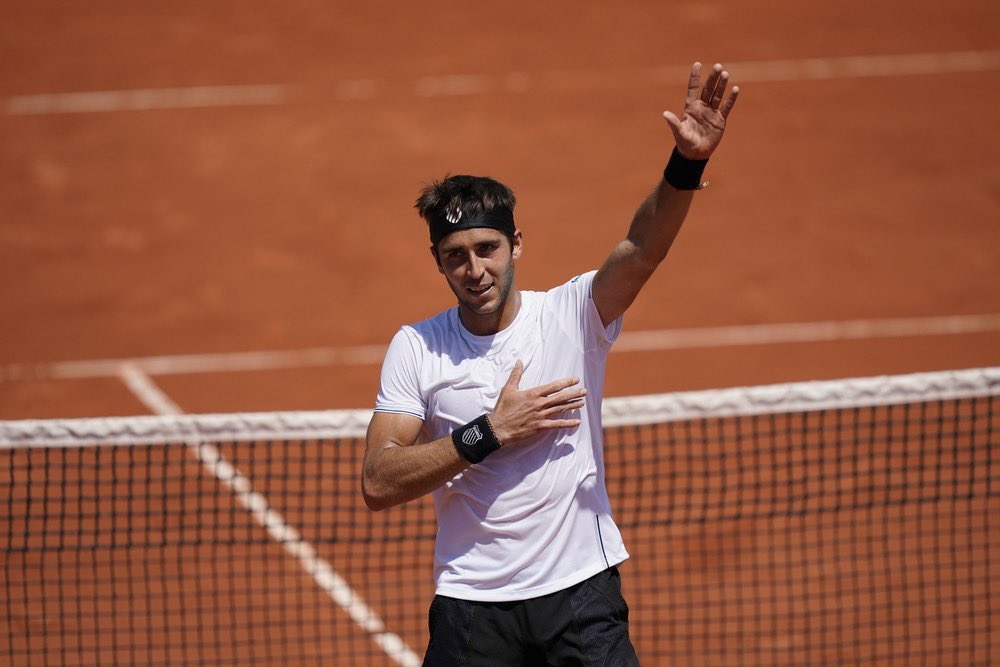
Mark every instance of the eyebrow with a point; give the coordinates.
(475, 246)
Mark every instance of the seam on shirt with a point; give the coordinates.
(600, 539)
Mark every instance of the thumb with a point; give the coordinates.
(515, 376)
(673, 121)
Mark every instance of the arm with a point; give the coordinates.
(397, 470)
(697, 134)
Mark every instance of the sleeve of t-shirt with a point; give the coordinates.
(576, 298)
(399, 389)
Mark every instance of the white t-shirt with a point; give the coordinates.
(530, 519)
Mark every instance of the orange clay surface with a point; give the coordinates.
(288, 225)
(859, 181)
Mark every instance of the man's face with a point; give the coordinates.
(479, 266)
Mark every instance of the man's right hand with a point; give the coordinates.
(520, 414)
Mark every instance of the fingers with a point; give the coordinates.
(693, 82)
(555, 397)
(558, 404)
(717, 79)
(556, 386)
(545, 414)
(710, 84)
(730, 101)
(559, 423)
(520, 414)
(563, 401)
(515, 376)
(550, 390)
(712, 93)
(720, 90)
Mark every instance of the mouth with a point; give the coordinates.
(479, 291)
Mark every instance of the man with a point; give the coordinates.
(495, 407)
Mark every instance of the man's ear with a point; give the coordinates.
(517, 244)
(437, 261)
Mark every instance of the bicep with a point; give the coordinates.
(381, 472)
(391, 429)
(387, 431)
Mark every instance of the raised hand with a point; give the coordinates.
(699, 129)
(520, 414)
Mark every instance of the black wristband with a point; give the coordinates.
(475, 440)
(682, 173)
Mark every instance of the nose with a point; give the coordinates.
(475, 267)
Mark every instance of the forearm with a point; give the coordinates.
(631, 263)
(659, 218)
(656, 223)
(394, 474)
(397, 470)
(697, 134)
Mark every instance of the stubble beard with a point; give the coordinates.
(505, 283)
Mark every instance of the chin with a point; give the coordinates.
(484, 309)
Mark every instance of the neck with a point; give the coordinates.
(487, 324)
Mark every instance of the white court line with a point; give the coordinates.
(363, 355)
(629, 341)
(146, 99)
(471, 84)
(452, 84)
(147, 391)
(271, 520)
(805, 332)
(849, 67)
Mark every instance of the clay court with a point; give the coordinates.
(272, 209)
(215, 200)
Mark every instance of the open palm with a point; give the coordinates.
(699, 129)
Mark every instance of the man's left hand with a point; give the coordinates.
(699, 129)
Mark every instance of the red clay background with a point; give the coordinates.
(839, 194)
(285, 226)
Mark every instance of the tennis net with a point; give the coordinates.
(849, 522)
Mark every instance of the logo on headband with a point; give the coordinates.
(444, 222)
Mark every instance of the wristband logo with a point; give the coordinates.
(472, 435)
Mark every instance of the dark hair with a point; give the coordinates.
(464, 197)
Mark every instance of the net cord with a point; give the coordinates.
(619, 411)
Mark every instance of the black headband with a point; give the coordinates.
(442, 224)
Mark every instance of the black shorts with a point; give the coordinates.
(586, 624)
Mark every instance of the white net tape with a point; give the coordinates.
(624, 411)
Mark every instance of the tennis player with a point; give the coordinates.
(494, 406)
